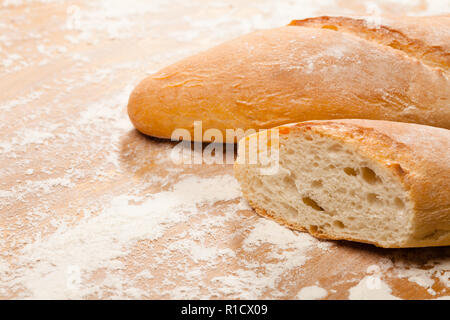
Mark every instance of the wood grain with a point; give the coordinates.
(70, 162)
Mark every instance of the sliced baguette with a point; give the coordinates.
(379, 182)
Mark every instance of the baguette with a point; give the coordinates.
(313, 69)
(379, 182)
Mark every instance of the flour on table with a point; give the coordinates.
(437, 269)
(99, 241)
(287, 250)
(312, 293)
(371, 288)
(91, 209)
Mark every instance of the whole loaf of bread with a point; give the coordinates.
(313, 69)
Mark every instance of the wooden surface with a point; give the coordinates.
(89, 208)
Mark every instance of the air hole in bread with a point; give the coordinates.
(399, 204)
(288, 180)
(311, 203)
(290, 210)
(339, 224)
(335, 147)
(258, 183)
(317, 184)
(350, 171)
(369, 175)
(373, 199)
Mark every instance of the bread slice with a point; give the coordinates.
(314, 69)
(379, 182)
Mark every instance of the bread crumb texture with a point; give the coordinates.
(380, 182)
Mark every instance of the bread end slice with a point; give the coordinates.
(361, 180)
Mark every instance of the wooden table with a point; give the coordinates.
(90, 208)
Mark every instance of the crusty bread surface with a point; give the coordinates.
(320, 68)
(379, 182)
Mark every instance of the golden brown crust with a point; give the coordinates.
(418, 155)
(402, 33)
(292, 74)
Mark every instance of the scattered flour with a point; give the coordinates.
(312, 293)
(371, 288)
(425, 276)
(99, 241)
(46, 254)
(23, 100)
(287, 250)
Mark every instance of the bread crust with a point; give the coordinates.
(422, 38)
(418, 155)
(298, 73)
